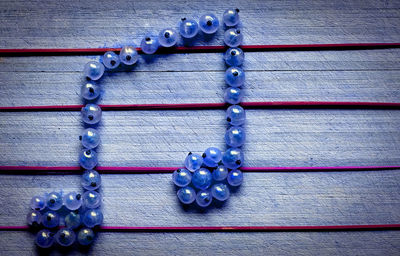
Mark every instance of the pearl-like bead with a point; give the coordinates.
(234, 57)
(93, 70)
(212, 156)
(203, 198)
(54, 201)
(186, 195)
(92, 218)
(235, 178)
(85, 236)
(65, 237)
(202, 178)
(168, 37)
(149, 44)
(91, 199)
(233, 95)
(44, 238)
(182, 177)
(235, 136)
(233, 37)
(90, 90)
(231, 17)
(188, 28)
(73, 201)
(38, 203)
(220, 173)
(235, 115)
(50, 219)
(73, 220)
(88, 158)
(193, 162)
(234, 76)
(91, 113)
(111, 60)
(90, 138)
(233, 158)
(91, 180)
(34, 218)
(220, 191)
(128, 55)
(209, 23)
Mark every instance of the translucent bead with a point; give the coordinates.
(234, 57)
(234, 76)
(38, 203)
(91, 180)
(65, 237)
(111, 60)
(44, 238)
(34, 218)
(128, 55)
(92, 217)
(91, 199)
(182, 177)
(231, 17)
(233, 158)
(91, 113)
(168, 37)
(220, 173)
(235, 136)
(88, 159)
(73, 220)
(193, 162)
(235, 115)
(202, 178)
(90, 138)
(94, 70)
(188, 28)
(54, 201)
(50, 219)
(233, 95)
(209, 23)
(186, 195)
(235, 178)
(204, 198)
(212, 156)
(149, 44)
(85, 236)
(90, 90)
(220, 191)
(233, 37)
(73, 201)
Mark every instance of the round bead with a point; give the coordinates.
(91, 199)
(212, 156)
(91, 180)
(90, 138)
(233, 95)
(44, 238)
(235, 115)
(234, 57)
(193, 162)
(149, 44)
(220, 173)
(88, 158)
(235, 136)
(90, 90)
(38, 203)
(235, 178)
(50, 219)
(202, 178)
(231, 17)
(188, 28)
(85, 236)
(204, 198)
(233, 37)
(91, 113)
(73, 201)
(73, 220)
(233, 158)
(234, 76)
(220, 191)
(34, 218)
(182, 177)
(92, 217)
(168, 37)
(128, 55)
(209, 23)
(186, 195)
(111, 60)
(94, 70)
(54, 201)
(65, 237)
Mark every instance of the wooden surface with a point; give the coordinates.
(162, 138)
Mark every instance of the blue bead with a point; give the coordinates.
(168, 37)
(38, 203)
(186, 195)
(149, 44)
(233, 37)
(128, 55)
(85, 236)
(202, 178)
(73, 220)
(235, 136)
(91, 199)
(188, 28)
(231, 17)
(92, 218)
(91, 180)
(193, 162)
(73, 201)
(220, 173)
(65, 237)
(220, 191)
(212, 156)
(234, 57)
(209, 23)
(111, 60)
(88, 159)
(233, 158)
(182, 177)
(204, 198)
(235, 115)
(235, 178)
(93, 70)
(90, 138)
(90, 90)
(54, 201)
(44, 238)
(234, 76)
(34, 218)
(50, 219)
(91, 113)
(233, 95)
